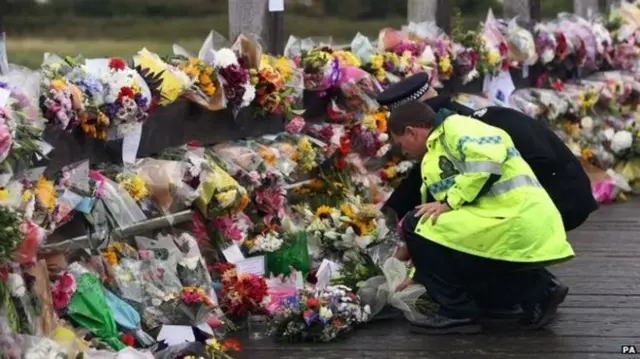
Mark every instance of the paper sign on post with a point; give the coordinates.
(131, 143)
(498, 89)
(253, 265)
(233, 254)
(276, 5)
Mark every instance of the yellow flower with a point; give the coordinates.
(324, 211)
(346, 210)
(134, 185)
(586, 154)
(4, 194)
(347, 58)
(445, 65)
(390, 172)
(213, 344)
(26, 196)
(493, 57)
(58, 84)
(45, 193)
(377, 61)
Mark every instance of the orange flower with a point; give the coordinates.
(231, 344)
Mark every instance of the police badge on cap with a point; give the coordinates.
(410, 89)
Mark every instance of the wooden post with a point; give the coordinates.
(4, 62)
(252, 17)
(584, 8)
(526, 10)
(438, 11)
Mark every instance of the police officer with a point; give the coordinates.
(555, 166)
(492, 228)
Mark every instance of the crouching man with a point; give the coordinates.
(492, 229)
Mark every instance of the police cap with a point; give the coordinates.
(409, 89)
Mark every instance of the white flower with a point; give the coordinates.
(269, 242)
(225, 58)
(383, 137)
(326, 313)
(383, 150)
(249, 95)
(608, 134)
(622, 140)
(404, 166)
(16, 285)
(586, 123)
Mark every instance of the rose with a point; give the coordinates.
(6, 141)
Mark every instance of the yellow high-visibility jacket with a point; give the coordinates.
(514, 221)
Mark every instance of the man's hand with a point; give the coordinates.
(431, 210)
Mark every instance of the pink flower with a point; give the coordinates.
(191, 297)
(66, 283)
(60, 299)
(6, 140)
(296, 125)
(145, 254)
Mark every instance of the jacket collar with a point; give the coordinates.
(438, 127)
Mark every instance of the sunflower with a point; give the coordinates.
(45, 193)
(359, 227)
(324, 212)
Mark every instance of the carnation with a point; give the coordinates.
(225, 58)
(621, 141)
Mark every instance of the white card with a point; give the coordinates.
(525, 71)
(252, 265)
(4, 97)
(498, 89)
(233, 254)
(33, 174)
(131, 143)
(45, 148)
(276, 5)
(299, 280)
(326, 272)
(176, 334)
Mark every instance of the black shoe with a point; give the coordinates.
(437, 324)
(544, 312)
(514, 312)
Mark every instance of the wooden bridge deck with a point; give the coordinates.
(601, 313)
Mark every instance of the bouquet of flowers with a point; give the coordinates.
(60, 100)
(242, 294)
(219, 193)
(11, 236)
(124, 268)
(235, 79)
(321, 315)
(321, 68)
(127, 99)
(276, 87)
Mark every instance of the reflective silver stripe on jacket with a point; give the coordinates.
(466, 167)
(513, 183)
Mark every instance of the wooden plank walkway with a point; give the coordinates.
(601, 313)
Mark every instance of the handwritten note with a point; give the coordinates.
(276, 5)
(233, 254)
(253, 265)
(131, 143)
(498, 89)
(176, 334)
(4, 97)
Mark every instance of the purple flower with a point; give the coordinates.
(141, 101)
(365, 144)
(407, 46)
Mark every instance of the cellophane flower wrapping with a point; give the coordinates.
(321, 69)
(167, 82)
(219, 192)
(21, 124)
(20, 287)
(494, 42)
(123, 210)
(545, 43)
(295, 255)
(522, 48)
(164, 180)
(88, 307)
(37, 347)
(474, 102)
(359, 89)
(377, 292)
(242, 155)
(127, 318)
(125, 271)
(577, 27)
(276, 160)
(279, 289)
(192, 268)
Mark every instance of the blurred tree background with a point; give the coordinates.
(119, 27)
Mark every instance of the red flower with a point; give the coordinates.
(340, 162)
(214, 323)
(313, 302)
(126, 92)
(128, 340)
(557, 85)
(60, 299)
(231, 344)
(117, 64)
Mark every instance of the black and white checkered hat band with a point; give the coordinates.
(413, 97)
